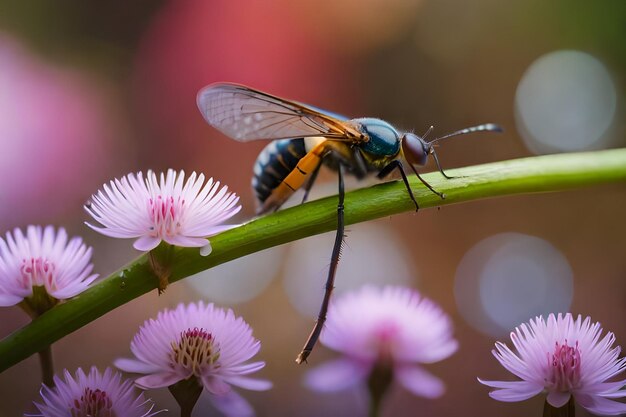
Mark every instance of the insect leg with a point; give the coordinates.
(359, 166)
(439, 165)
(357, 163)
(395, 164)
(330, 281)
(309, 183)
(441, 195)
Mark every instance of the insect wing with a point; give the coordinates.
(245, 114)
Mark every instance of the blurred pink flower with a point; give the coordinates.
(43, 258)
(93, 395)
(198, 341)
(565, 357)
(392, 327)
(177, 212)
(55, 128)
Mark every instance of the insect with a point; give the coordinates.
(303, 139)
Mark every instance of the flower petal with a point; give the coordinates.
(601, 406)
(336, 375)
(215, 385)
(511, 391)
(232, 404)
(419, 382)
(558, 399)
(186, 241)
(146, 243)
(158, 380)
(135, 366)
(8, 300)
(605, 389)
(206, 249)
(249, 383)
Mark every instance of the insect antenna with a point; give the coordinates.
(430, 129)
(488, 127)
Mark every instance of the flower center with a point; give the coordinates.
(564, 365)
(165, 213)
(384, 341)
(93, 403)
(37, 272)
(196, 350)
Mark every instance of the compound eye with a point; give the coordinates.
(415, 149)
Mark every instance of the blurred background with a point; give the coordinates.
(90, 91)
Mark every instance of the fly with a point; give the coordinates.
(303, 139)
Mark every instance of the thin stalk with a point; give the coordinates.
(528, 175)
(378, 384)
(47, 366)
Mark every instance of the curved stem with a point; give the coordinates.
(535, 174)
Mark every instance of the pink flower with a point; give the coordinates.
(565, 357)
(152, 210)
(44, 259)
(56, 127)
(392, 327)
(93, 395)
(198, 341)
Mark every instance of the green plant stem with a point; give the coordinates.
(186, 394)
(528, 175)
(47, 366)
(378, 384)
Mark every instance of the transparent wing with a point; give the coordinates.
(245, 114)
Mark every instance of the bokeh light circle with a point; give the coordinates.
(240, 280)
(565, 101)
(508, 278)
(371, 254)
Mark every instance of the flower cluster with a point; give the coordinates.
(43, 266)
(383, 334)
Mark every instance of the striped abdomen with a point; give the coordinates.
(275, 162)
